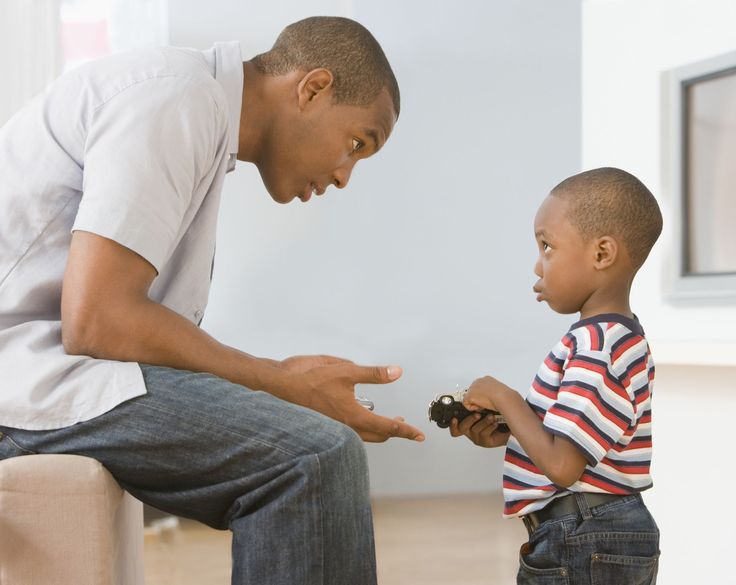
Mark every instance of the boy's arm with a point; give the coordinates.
(557, 457)
(106, 313)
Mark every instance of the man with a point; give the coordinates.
(110, 190)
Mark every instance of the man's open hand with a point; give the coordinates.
(328, 385)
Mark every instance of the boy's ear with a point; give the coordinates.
(313, 84)
(606, 251)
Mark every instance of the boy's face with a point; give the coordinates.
(565, 263)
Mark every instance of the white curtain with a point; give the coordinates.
(30, 51)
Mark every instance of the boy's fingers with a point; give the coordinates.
(468, 422)
(454, 430)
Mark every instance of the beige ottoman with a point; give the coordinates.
(65, 521)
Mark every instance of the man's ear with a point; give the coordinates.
(315, 83)
(606, 251)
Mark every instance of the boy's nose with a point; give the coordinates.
(538, 267)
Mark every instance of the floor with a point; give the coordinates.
(449, 540)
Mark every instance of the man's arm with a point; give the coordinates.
(106, 313)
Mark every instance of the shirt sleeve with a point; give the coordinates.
(593, 408)
(147, 149)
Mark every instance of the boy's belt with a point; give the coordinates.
(564, 506)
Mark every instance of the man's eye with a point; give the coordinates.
(357, 145)
(545, 246)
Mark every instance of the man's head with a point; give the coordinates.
(344, 47)
(321, 99)
(594, 231)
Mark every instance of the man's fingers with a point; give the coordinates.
(376, 428)
(331, 359)
(372, 374)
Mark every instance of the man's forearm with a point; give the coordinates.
(148, 332)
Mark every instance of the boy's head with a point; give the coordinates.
(609, 201)
(594, 231)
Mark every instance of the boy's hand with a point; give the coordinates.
(481, 430)
(480, 393)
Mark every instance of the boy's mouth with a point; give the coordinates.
(537, 289)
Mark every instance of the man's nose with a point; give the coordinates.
(341, 176)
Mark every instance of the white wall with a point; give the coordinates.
(426, 259)
(626, 46)
(30, 55)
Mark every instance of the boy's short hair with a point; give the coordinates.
(609, 201)
(344, 47)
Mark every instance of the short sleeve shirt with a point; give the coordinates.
(134, 148)
(594, 389)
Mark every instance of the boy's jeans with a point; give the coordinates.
(616, 543)
(290, 483)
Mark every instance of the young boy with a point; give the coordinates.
(579, 448)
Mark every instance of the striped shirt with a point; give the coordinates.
(594, 388)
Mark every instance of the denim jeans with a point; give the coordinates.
(290, 483)
(616, 543)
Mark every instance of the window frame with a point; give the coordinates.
(682, 285)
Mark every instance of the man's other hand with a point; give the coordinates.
(328, 386)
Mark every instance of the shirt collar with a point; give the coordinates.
(227, 63)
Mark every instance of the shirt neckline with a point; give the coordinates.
(632, 324)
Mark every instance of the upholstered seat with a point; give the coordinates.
(65, 521)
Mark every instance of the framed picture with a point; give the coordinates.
(700, 168)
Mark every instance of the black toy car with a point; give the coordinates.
(445, 407)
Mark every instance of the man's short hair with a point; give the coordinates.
(344, 47)
(609, 201)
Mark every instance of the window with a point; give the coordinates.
(702, 125)
(93, 28)
(42, 38)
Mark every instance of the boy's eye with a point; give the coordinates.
(357, 145)
(545, 246)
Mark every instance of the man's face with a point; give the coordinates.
(319, 146)
(565, 262)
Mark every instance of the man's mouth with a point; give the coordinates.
(309, 190)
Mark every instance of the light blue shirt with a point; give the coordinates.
(133, 147)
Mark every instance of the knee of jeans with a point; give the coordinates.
(347, 452)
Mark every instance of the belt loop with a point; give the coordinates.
(583, 505)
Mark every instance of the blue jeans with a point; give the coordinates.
(616, 543)
(290, 483)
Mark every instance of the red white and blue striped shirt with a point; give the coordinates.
(594, 388)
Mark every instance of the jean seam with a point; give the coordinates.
(279, 448)
(17, 446)
(321, 520)
(633, 560)
(608, 506)
(613, 536)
